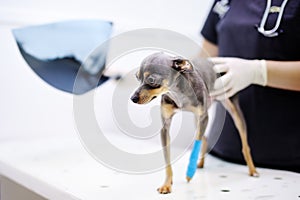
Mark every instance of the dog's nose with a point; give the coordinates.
(135, 98)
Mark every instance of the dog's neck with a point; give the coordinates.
(182, 92)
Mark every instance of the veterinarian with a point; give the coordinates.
(257, 44)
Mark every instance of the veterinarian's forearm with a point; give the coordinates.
(284, 75)
(208, 49)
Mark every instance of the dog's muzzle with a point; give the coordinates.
(135, 98)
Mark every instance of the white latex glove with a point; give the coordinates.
(240, 73)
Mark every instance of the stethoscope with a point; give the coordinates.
(274, 31)
(222, 7)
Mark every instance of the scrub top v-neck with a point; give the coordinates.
(272, 115)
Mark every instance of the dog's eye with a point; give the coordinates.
(151, 80)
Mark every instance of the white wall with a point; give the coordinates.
(183, 16)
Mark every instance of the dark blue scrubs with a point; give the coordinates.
(272, 115)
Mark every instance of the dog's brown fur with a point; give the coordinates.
(185, 85)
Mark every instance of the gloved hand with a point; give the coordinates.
(240, 73)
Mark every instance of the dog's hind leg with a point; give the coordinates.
(202, 120)
(233, 107)
(167, 112)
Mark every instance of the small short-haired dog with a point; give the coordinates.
(185, 85)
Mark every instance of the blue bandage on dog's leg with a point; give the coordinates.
(193, 160)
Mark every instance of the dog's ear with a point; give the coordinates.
(182, 65)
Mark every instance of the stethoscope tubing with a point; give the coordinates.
(272, 32)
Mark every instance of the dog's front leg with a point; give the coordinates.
(203, 152)
(167, 112)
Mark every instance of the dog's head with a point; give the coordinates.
(156, 74)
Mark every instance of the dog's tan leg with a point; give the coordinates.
(202, 120)
(203, 152)
(167, 112)
(233, 107)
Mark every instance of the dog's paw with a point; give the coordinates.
(254, 173)
(165, 189)
(200, 164)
